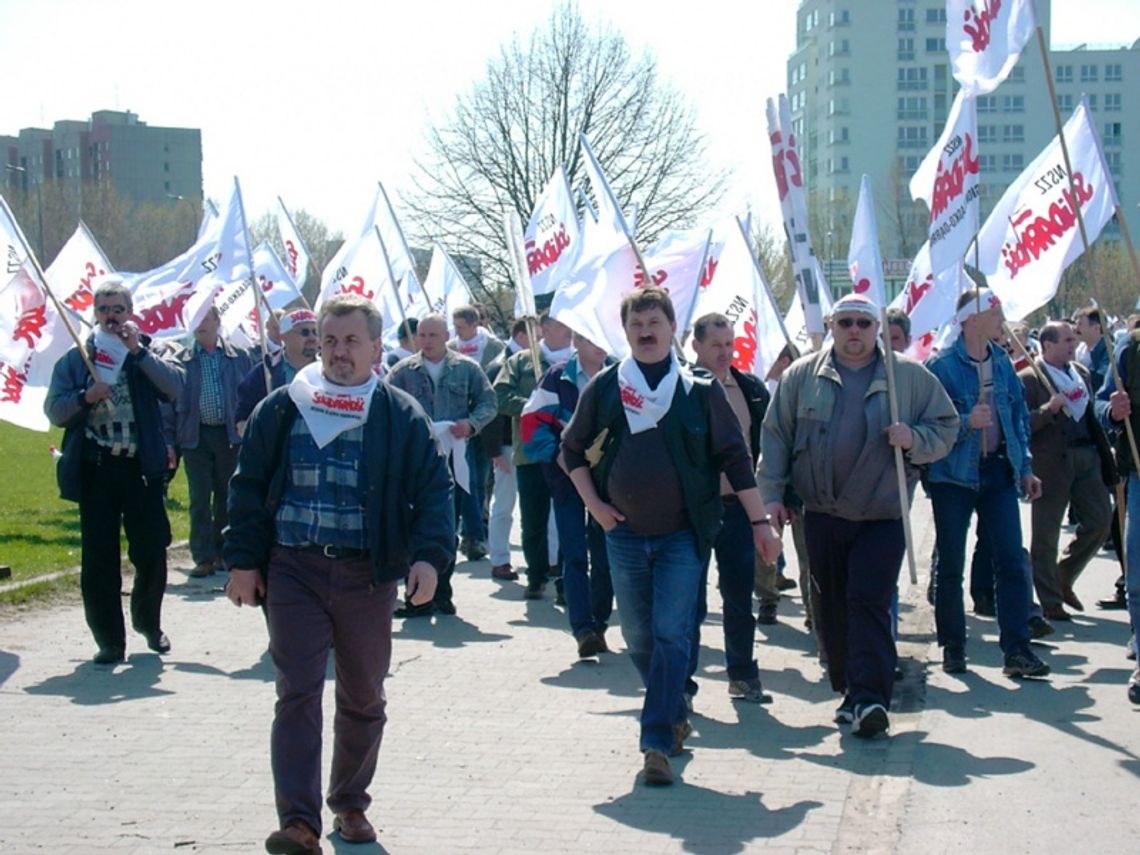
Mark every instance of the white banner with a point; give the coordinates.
(552, 235)
(984, 39)
(80, 262)
(793, 204)
(949, 181)
(930, 299)
(296, 259)
(445, 287)
(1032, 234)
(864, 259)
(277, 284)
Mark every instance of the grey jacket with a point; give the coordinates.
(795, 442)
(462, 392)
(236, 363)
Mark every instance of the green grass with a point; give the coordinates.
(39, 531)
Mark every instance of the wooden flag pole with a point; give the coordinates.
(900, 465)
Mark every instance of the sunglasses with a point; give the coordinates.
(847, 323)
(112, 310)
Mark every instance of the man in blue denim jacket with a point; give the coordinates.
(983, 473)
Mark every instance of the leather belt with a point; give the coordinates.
(336, 553)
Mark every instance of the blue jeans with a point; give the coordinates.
(656, 579)
(735, 565)
(585, 565)
(1132, 547)
(470, 505)
(999, 527)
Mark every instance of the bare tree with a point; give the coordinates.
(508, 134)
(776, 262)
(319, 241)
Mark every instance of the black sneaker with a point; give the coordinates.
(409, 611)
(984, 607)
(109, 655)
(534, 590)
(766, 614)
(1024, 664)
(445, 607)
(1134, 687)
(845, 712)
(954, 660)
(1040, 628)
(870, 721)
(590, 644)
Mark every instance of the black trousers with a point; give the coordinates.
(534, 515)
(113, 495)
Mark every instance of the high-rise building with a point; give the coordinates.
(144, 163)
(870, 87)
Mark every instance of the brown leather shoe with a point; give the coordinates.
(354, 827)
(1071, 599)
(296, 838)
(504, 571)
(1056, 613)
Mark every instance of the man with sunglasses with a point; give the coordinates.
(298, 349)
(114, 462)
(827, 434)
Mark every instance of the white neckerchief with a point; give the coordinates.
(474, 346)
(645, 407)
(1069, 384)
(328, 409)
(554, 358)
(110, 355)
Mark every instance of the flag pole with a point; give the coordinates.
(512, 228)
(700, 276)
(900, 466)
(59, 308)
(767, 289)
(259, 297)
(311, 264)
(391, 278)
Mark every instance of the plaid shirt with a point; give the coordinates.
(323, 502)
(211, 402)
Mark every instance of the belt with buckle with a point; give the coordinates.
(336, 553)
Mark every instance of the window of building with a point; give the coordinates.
(1114, 161)
(1112, 132)
(1013, 103)
(1065, 103)
(1064, 74)
(1113, 72)
(1013, 162)
(838, 76)
(839, 18)
(987, 133)
(911, 79)
(1013, 133)
(1092, 102)
(908, 165)
(936, 45)
(906, 49)
(911, 136)
(906, 19)
(988, 162)
(1089, 73)
(1016, 74)
(1112, 103)
(987, 103)
(936, 15)
(912, 107)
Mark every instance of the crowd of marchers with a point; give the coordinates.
(338, 483)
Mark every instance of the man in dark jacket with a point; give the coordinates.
(298, 330)
(714, 340)
(114, 460)
(340, 491)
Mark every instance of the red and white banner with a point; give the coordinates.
(1032, 234)
(296, 258)
(552, 235)
(277, 284)
(677, 263)
(985, 39)
(929, 299)
(949, 182)
(734, 285)
(793, 203)
(864, 259)
(220, 257)
(73, 272)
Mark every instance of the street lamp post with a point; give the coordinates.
(11, 167)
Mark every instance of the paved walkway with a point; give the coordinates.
(500, 741)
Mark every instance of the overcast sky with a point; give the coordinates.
(315, 101)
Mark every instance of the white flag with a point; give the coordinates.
(277, 284)
(734, 286)
(445, 287)
(864, 259)
(930, 299)
(296, 253)
(609, 213)
(1032, 235)
(795, 322)
(677, 264)
(949, 181)
(219, 257)
(80, 262)
(985, 39)
(552, 235)
(210, 217)
(793, 204)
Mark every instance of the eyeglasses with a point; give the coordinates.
(111, 310)
(307, 332)
(847, 323)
